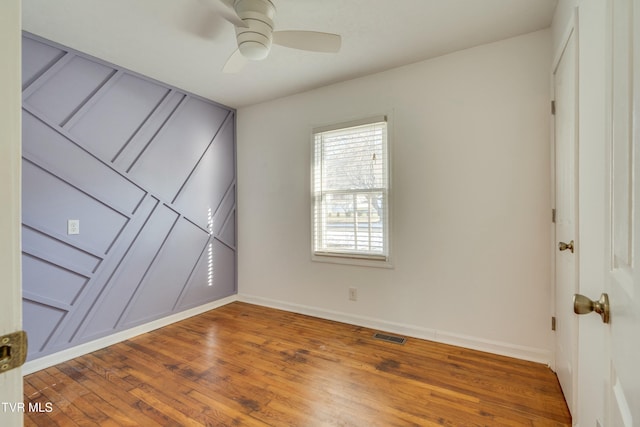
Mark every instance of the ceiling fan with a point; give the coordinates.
(253, 20)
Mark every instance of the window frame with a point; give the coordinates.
(368, 260)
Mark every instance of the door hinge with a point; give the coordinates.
(553, 323)
(553, 216)
(13, 350)
(553, 108)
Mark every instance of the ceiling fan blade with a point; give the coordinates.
(235, 63)
(308, 40)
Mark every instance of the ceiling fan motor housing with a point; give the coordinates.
(254, 42)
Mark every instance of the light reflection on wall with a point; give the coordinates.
(210, 248)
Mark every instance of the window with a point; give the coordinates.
(351, 190)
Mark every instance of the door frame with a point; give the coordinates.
(11, 389)
(571, 29)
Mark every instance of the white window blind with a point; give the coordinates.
(351, 190)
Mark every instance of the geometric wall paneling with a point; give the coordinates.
(199, 287)
(41, 245)
(224, 218)
(48, 202)
(51, 284)
(50, 148)
(40, 321)
(211, 278)
(70, 322)
(223, 278)
(131, 151)
(62, 93)
(37, 244)
(213, 175)
(227, 234)
(222, 156)
(128, 276)
(168, 274)
(114, 116)
(175, 151)
(36, 58)
(224, 210)
(149, 171)
(102, 279)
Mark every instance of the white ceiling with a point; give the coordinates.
(185, 43)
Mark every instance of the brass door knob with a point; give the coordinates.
(562, 246)
(583, 305)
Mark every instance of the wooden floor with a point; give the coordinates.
(245, 365)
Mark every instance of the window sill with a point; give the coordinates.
(352, 260)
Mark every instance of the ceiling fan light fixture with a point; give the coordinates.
(253, 50)
(254, 40)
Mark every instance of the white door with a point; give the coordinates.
(10, 292)
(565, 89)
(622, 370)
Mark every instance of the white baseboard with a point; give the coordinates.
(82, 349)
(496, 347)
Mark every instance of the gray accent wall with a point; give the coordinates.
(148, 170)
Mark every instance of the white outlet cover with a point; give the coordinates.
(73, 226)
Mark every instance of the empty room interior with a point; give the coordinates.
(306, 213)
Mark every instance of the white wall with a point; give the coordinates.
(471, 183)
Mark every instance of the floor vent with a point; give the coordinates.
(389, 338)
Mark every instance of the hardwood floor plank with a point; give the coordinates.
(107, 390)
(246, 365)
(54, 418)
(55, 392)
(140, 374)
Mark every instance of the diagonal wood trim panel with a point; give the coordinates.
(148, 170)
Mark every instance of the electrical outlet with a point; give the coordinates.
(73, 226)
(353, 294)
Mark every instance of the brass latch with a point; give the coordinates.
(13, 350)
(562, 246)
